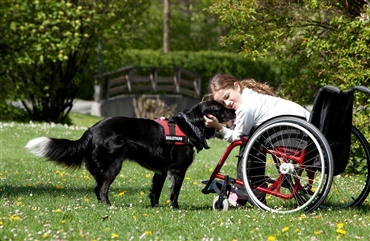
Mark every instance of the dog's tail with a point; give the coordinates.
(61, 151)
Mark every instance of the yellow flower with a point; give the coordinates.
(58, 211)
(340, 225)
(147, 175)
(341, 231)
(187, 178)
(45, 235)
(64, 221)
(148, 233)
(1, 223)
(14, 217)
(114, 235)
(271, 238)
(195, 183)
(285, 229)
(57, 186)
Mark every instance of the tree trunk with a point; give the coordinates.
(166, 25)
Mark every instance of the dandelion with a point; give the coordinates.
(120, 194)
(57, 172)
(195, 183)
(45, 235)
(14, 217)
(147, 175)
(340, 225)
(285, 229)
(341, 231)
(318, 232)
(271, 238)
(114, 235)
(64, 221)
(1, 223)
(187, 178)
(58, 211)
(86, 199)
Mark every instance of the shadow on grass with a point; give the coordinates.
(8, 191)
(131, 192)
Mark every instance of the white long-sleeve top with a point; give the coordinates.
(257, 108)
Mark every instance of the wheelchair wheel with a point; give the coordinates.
(352, 187)
(287, 166)
(218, 205)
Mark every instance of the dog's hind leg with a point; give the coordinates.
(104, 177)
(155, 192)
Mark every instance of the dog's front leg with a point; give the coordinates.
(177, 178)
(155, 192)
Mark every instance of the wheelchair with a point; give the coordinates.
(290, 164)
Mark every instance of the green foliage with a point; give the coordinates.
(48, 45)
(192, 27)
(206, 64)
(319, 42)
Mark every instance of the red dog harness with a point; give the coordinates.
(173, 133)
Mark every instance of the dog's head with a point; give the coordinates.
(192, 122)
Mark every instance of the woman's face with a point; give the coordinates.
(230, 98)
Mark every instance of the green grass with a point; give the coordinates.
(42, 201)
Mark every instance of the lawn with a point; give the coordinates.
(43, 201)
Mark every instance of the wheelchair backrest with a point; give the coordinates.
(332, 115)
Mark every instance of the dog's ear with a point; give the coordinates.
(195, 135)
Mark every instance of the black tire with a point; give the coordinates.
(287, 166)
(351, 188)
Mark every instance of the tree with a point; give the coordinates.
(319, 42)
(46, 47)
(191, 27)
(166, 25)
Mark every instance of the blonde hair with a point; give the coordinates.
(225, 81)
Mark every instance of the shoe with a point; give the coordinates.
(217, 186)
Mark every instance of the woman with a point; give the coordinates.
(254, 103)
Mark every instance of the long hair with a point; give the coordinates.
(225, 81)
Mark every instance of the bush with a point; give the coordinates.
(204, 63)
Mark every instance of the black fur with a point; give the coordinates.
(104, 146)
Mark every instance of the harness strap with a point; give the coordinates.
(173, 133)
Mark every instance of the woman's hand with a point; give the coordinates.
(211, 121)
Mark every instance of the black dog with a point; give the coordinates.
(109, 142)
